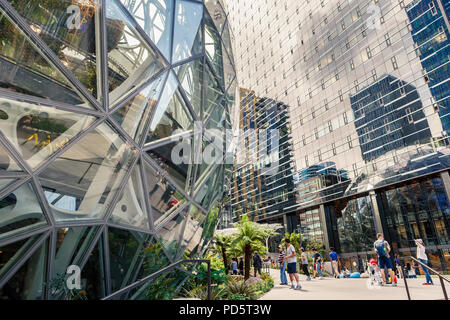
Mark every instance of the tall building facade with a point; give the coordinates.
(94, 98)
(366, 82)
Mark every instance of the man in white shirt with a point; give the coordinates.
(422, 257)
(291, 258)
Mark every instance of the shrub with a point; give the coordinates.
(235, 289)
(201, 293)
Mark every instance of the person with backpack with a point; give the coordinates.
(382, 249)
(422, 257)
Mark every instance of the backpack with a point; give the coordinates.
(381, 248)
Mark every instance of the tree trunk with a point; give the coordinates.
(225, 262)
(247, 257)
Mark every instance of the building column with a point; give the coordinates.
(323, 225)
(376, 212)
(446, 180)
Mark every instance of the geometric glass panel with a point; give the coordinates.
(171, 115)
(20, 212)
(72, 245)
(170, 235)
(187, 39)
(155, 17)
(125, 248)
(214, 93)
(204, 195)
(176, 158)
(191, 79)
(28, 283)
(25, 70)
(93, 273)
(163, 196)
(228, 69)
(213, 48)
(133, 115)
(131, 61)
(130, 209)
(37, 131)
(7, 162)
(216, 11)
(81, 182)
(6, 182)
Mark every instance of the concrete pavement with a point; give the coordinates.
(353, 289)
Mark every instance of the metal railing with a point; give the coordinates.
(160, 272)
(441, 277)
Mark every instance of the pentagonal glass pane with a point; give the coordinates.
(93, 273)
(213, 47)
(11, 253)
(20, 212)
(130, 59)
(177, 159)
(28, 282)
(190, 76)
(163, 196)
(134, 115)
(72, 245)
(70, 29)
(217, 13)
(214, 93)
(155, 17)
(170, 235)
(124, 253)
(25, 69)
(7, 163)
(85, 177)
(130, 209)
(187, 38)
(171, 115)
(38, 131)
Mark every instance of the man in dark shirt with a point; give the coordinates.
(257, 263)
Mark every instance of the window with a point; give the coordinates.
(409, 115)
(349, 142)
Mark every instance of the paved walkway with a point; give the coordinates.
(353, 289)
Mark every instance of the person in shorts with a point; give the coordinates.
(291, 258)
(382, 249)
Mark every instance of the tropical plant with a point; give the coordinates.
(240, 290)
(222, 243)
(201, 292)
(250, 237)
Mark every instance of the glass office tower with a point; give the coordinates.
(96, 100)
(367, 85)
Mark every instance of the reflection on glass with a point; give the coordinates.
(187, 40)
(27, 282)
(207, 191)
(217, 12)
(164, 198)
(93, 273)
(213, 47)
(191, 79)
(81, 182)
(130, 59)
(38, 131)
(25, 70)
(20, 212)
(7, 163)
(155, 17)
(170, 235)
(130, 209)
(73, 41)
(133, 116)
(214, 93)
(193, 231)
(124, 249)
(176, 158)
(171, 115)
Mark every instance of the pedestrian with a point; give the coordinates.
(422, 257)
(334, 262)
(257, 263)
(304, 260)
(398, 266)
(282, 264)
(291, 259)
(318, 259)
(382, 249)
(241, 266)
(234, 266)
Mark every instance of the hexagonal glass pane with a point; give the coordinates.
(38, 131)
(81, 182)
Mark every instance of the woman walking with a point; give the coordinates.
(422, 257)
